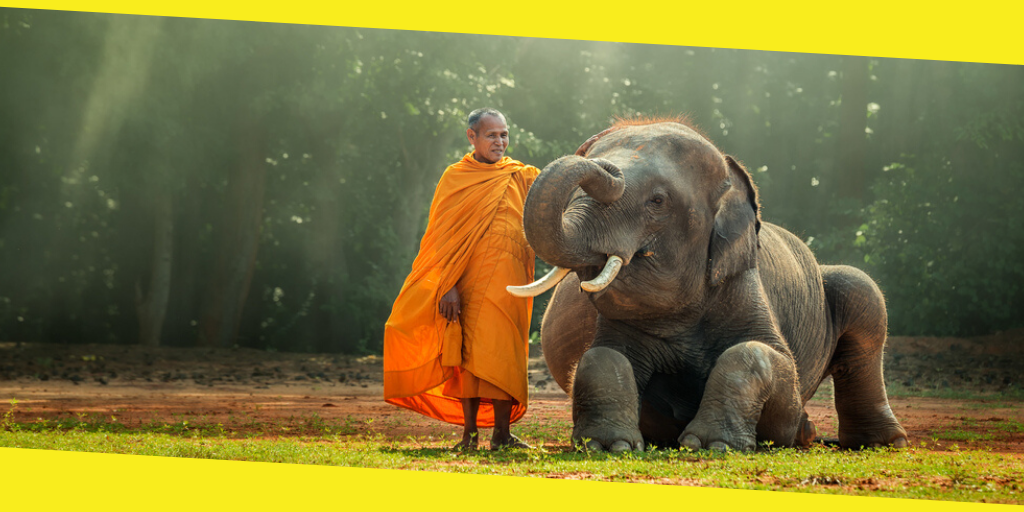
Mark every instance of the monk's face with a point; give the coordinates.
(490, 140)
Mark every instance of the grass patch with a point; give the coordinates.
(988, 405)
(962, 435)
(956, 475)
(899, 390)
(183, 425)
(1009, 425)
(907, 473)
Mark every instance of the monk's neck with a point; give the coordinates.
(482, 161)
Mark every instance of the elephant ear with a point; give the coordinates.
(734, 241)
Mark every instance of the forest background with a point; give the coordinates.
(184, 182)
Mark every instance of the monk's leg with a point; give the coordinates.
(502, 421)
(502, 436)
(470, 439)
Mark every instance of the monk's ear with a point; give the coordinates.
(734, 239)
(471, 135)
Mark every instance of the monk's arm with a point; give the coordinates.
(450, 306)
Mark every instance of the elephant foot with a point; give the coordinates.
(890, 434)
(720, 433)
(610, 439)
(606, 405)
(750, 394)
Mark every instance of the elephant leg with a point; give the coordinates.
(751, 394)
(606, 402)
(865, 419)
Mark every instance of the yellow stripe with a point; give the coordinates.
(51, 480)
(979, 31)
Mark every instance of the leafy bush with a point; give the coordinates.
(946, 246)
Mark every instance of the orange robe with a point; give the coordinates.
(474, 240)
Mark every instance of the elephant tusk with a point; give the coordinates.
(611, 269)
(541, 285)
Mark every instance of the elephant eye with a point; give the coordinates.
(657, 200)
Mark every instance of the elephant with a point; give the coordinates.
(680, 318)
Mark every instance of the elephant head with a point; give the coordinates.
(655, 198)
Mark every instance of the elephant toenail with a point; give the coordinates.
(692, 442)
(718, 446)
(619, 446)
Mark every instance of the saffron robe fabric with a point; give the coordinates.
(474, 240)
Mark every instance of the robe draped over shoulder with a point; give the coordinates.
(474, 240)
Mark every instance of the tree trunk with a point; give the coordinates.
(151, 306)
(240, 235)
(422, 165)
(326, 252)
(186, 301)
(850, 179)
(899, 131)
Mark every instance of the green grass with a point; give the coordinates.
(962, 435)
(908, 473)
(96, 423)
(974, 429)
(916, 472)
(989, 405)
(897, 389)
(1010, 425)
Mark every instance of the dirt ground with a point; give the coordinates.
(974, 389)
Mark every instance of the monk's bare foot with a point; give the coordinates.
(470, 441)
(508, 442)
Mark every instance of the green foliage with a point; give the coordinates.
(336, 138)
(947, 249)
(7, 422)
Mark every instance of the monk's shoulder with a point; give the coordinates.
(447, 173)
(528, 171)
(452, 168)
(532, 171)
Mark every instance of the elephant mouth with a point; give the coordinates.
(589, 272)
(605, 275)
(593, 279)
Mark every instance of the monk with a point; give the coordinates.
(455, 346)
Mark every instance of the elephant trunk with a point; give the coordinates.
(557, 237)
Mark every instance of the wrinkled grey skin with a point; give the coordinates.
(719, 327)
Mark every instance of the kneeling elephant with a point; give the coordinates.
(684, 319)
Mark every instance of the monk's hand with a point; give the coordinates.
(449, 306)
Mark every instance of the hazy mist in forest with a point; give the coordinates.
(189, 182)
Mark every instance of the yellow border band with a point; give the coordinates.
(980, 32)
(56, 480)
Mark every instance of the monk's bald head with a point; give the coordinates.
(473, 121)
